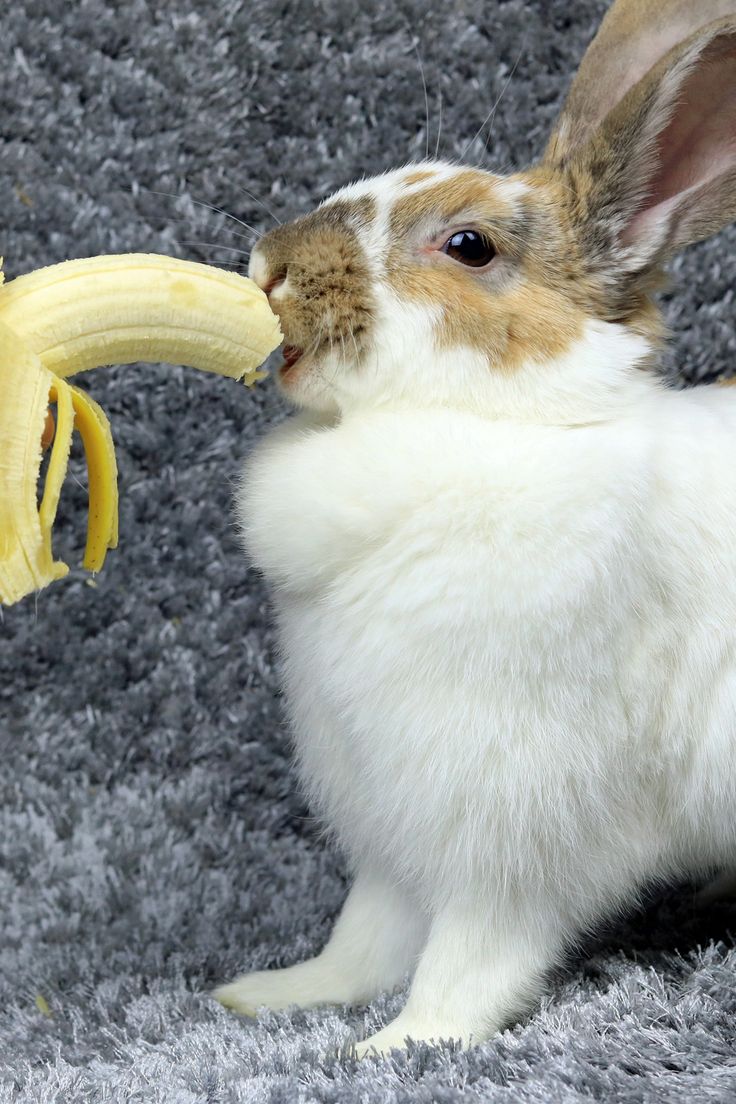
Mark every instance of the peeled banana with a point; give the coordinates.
(77, 315)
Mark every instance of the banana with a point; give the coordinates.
(77, 315)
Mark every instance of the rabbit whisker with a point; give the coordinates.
(503, 90)
(491, 114)
(439, 126)
(255, 199)
(209, 206)
(226, 264)
(233, 233)
(214, 245)
(299, 263)
(355, 343)
(415, 47)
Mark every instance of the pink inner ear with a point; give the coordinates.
(643, 54)
(699, 142)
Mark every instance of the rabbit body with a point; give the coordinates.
(512, 692)
(500, 549)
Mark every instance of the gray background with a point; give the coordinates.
(152, 838)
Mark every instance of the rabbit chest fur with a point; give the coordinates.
(499, 640)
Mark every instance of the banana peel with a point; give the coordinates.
(81, 314)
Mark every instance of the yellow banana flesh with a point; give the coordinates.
(77, 315)
(104, 310)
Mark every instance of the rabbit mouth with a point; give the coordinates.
(291, 354)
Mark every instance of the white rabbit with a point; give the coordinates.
(501, 551)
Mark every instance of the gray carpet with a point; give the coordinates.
(152, 838)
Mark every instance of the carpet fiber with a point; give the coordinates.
(152, 837)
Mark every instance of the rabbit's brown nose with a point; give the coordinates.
(270, 280)
(273, 285)
(261, 272)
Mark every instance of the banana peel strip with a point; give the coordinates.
(26, 560)
(102, 522)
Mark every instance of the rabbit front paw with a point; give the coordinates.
(394, 1036)
(300, 985)
(372, 947)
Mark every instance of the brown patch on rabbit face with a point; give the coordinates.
(329, 299)
(534, 302)
(526, 323)
(417, 177)
(291, 241)
(468, 188)
(580, 273)
(519, 311)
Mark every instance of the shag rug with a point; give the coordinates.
(153, 841)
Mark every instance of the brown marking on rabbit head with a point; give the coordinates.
(577, 270)
(448, 197)
(526, 305)
(418, 177)
(530, 304)
(544, 288)
(317, 275)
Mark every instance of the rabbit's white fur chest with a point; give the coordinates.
(508, 648)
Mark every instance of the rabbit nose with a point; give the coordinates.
(273, 287)
(268, 281)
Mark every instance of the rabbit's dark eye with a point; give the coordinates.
(469, 248)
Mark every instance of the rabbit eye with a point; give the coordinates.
(469, 248)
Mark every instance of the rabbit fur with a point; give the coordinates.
(500, 549)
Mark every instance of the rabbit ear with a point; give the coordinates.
(633, 37)
(659, 170)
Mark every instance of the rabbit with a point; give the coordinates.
(500, 549)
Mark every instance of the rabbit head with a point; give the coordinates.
(442, 284)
